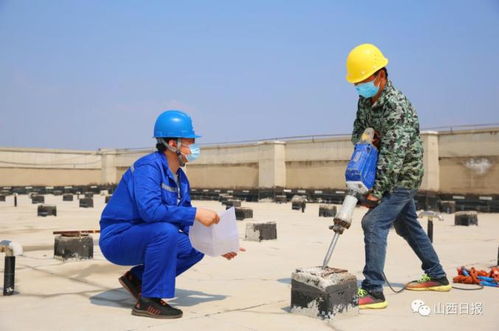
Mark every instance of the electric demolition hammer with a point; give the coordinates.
(360, 175)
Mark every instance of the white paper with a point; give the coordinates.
(217, 239)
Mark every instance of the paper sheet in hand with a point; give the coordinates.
(217, 239)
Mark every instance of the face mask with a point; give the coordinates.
(195, 152)
(367, 90)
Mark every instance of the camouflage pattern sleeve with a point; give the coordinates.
(394, 145)
(360, 123)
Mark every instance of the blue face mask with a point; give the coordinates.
(367, 90)
(195, 151)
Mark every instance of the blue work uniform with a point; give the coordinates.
(146, 224)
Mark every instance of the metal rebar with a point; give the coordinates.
(9, 275)
(330, 250)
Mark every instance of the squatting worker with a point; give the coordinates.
(146, 222)
(398, 175)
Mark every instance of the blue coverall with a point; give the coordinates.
(146, 224)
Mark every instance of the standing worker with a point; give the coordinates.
(398, 175)
(146, 222)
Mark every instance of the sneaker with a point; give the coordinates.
(427, 283)
(371, 300)
(155, 308)
(131, 283)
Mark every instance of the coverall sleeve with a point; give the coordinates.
(147, 181)
(359, 125)
(393, 149)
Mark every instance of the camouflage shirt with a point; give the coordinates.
(400, 162)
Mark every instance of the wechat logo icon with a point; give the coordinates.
(418, 306)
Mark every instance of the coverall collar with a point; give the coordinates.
(169, 172)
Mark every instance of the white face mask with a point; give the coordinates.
(194, 149)
(195, 152)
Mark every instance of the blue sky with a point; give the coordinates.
(91, 74)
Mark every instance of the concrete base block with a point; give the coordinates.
(242, 213)
(68, 189)
(448, 207)
(46, 210)
(57, 192)
(327, 210)
(298, 205)
(466, 218)
(297, 201)
(232, 203)
(2, 197)
(37, 199)
(86, 203)
(67, 197)
(323, 293)
(79, 247)
(280, 199)
(483, 209)
(261, 231)
(89, 194)
(223, 197)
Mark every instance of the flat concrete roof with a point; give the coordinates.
(251, 292)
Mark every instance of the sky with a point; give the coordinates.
(95, 74)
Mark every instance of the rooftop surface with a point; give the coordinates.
(251, 292)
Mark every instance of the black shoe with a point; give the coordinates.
(131, 283)
(155, 308)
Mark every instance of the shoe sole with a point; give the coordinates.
(442, 288)
(125, 286)
(147, 314)
(378, 305)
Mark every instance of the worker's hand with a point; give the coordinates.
(231, 255)
(369, 201)
(338, 228)
(207, 217)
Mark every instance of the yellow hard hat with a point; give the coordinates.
(363, 61)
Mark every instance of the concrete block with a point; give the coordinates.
(448, 207)
(57, 192)
(298, 205)
(323, 293)
(483, 209)
(242, 213)
(327, 210)
(466, 218)
(94, 188)
(47, 210)
(2, 197)
(281, 198)
(89, 194)
(67, 197)
(261, 231)
(77, 247)
(37, 199)
(69, 189)
(223, 197)
(298, 202)
(86, 203)
(232, 203)
(108, 197)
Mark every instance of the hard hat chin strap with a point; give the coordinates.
(175, 150)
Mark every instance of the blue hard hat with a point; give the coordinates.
(174, 124)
